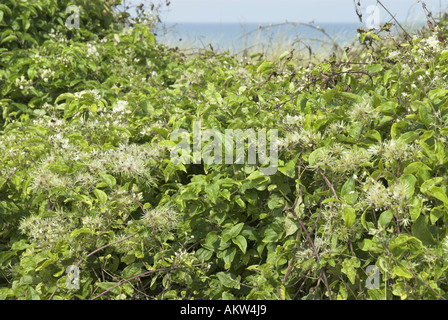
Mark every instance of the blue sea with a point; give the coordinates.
(235, 37)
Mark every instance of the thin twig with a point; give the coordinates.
(56, 289)
(105, 246)
(317, 256)
(408, 37)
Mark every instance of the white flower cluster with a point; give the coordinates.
(94, 92)
(394, 54)
(59, 141)
(376, 195)
(116, 39)
(335, 128)
(396, 150)
(24, 84)
(305, 255)
(433, 42)
(47, 65)
(56, 125)
(46, 74)
(46, 232)
(126, 201)
(126, 160)
(363, 112)
(95, 222)
(406, 69)
(379, 197)
(57, 36)
(306, 138)
(161, 219)
(341, 160)
(7, 147)
(121, 107)
(125, 67)
(182, 256)
(92, 51)
(191, 76)
(44, 179)
(150, 129)
(294, 121)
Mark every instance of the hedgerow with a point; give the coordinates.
(87, 178)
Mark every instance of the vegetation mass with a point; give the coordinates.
(87, 179)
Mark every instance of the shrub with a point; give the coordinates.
(87, 180)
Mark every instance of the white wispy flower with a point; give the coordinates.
(363, 112)
(161, 219)
(433, 42)
(92, 51)
(120, 107)
(377, 195)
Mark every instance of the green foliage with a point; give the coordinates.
(87, 179)
(25, 23)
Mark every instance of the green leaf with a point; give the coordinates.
(290, 226)
(366, 224)
(438, 94)
(212, 192)
(374, 134)
(232, 232)
(20, 245)
(77, 232)
(330, 200)
(204, 254)
(265, 67)
(225, 193)
(240, 202)
(226, 279)
(282, 292)
(315, 155)
(374, 68)
(108, 179)
(289, 169)
(438, 193)
(408, 137)
(101, 195)
(348, 191)
(270, 235)
(211, 241)
(349, 216)
(65, 96)
(351, 96)
(428, 184)
(420, 230)
(9, 39)
(229, 256)
(107, 286)
(241, 242)
(426, 116)
(415, 208)
(284, 55)
(404, 242)
(386, 218)
(416, 167)
(32, 295)
(349, 268)
(401, 271)
(436, 213)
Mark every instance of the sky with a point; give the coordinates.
(274, 11)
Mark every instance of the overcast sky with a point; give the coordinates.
(271, 11)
